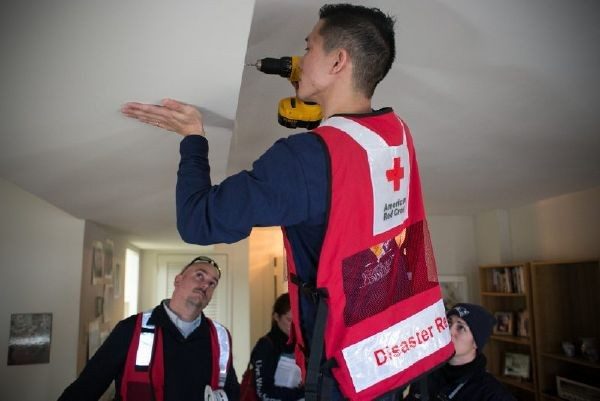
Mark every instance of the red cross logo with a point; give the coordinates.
(395, 174)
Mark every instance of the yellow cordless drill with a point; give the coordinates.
(292, 112)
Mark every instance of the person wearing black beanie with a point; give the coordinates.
(464, 377)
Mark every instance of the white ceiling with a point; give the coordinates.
(502, 98)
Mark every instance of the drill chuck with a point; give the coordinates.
(280, 66)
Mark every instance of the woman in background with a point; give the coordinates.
(277, 377)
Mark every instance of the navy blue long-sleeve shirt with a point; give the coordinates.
(287, 186)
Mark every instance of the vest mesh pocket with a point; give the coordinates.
(386, 273)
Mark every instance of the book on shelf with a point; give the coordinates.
(519, 280)
(507, 287)
(523, 323)
(515, 280)
(496, 281)
(508, 280)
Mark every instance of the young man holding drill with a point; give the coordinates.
(348, 198)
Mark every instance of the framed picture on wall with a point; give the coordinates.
(117, 281)
(108, 258)
(454, 289)
(504, 323)
(97, 262)
(29, 338)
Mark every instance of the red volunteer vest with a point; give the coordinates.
(143, 374)
(386, 324)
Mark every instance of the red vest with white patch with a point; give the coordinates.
(144, 372)
(386, 324)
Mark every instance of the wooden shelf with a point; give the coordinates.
(512, 339)
(550, 397)
(574, 360)
(490, 280)
(503, 294)
(561, 298)
(565, 298)
(502, 265)
(523, 385)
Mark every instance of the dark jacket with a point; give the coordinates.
(479, 385)
(264, 358)
(188, 363)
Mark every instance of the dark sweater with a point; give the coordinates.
(479, 384)
(264, 358)
(187, 361)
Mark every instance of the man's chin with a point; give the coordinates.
(304, 97)
(198, 302)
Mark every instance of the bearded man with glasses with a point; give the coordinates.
(173, 352)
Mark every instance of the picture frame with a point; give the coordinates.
(454, 288)
(504, 323)
(109, 247)
(517, 365)
(30, 337)
(99, 307)
(117, 281)
(97, 263)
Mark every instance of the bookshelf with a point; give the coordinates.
(566, 305)
(506, 292)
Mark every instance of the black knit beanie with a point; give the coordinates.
(480, 321)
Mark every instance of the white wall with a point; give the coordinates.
(113, 306)
(492, 236)
(41, 248)
(453, 240)
(564, 227)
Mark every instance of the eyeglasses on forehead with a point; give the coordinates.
(206, 259)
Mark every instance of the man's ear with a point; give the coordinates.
(340, 61)
(177, 280)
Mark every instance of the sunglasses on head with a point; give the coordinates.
(206, 259)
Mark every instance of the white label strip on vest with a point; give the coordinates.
(144, 351)
(223, 340)
(390, 173)
(145, 318)
(398, 347)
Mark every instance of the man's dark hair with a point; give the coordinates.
(202, 259)
(368, 36)
(282, 304)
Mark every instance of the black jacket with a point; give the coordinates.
(479, 384)
(264, 358)
(188, 363)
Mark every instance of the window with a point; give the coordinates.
(132, 275)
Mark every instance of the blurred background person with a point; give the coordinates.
(276, 375)
(464, 377)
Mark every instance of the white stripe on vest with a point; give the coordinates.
(390, 173)
(398, 347)
(144, 351)
(223, 339)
